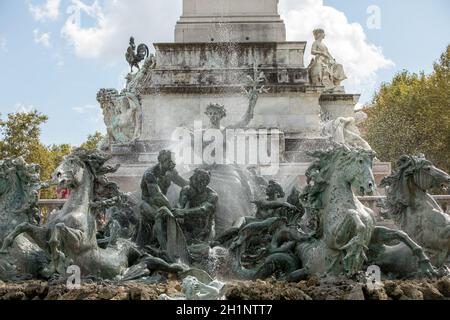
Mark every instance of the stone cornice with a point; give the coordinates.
(229, 89)
(194, 45)
(331, 97)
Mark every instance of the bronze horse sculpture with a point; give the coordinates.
(338, 234)
(69, 235)
(19, 189)
(414, 210)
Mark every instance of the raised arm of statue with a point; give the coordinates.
(178, 180)
(184, 199)
(151, 192)
(249, 114)
(257, 87)
(266, 204)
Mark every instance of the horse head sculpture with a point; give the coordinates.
(414, 210)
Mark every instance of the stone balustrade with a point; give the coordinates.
(371, 202)
(374, 202)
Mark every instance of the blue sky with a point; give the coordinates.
(413, 34)
(59, 71)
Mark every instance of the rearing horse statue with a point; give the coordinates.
(69, 235)
(338, 234)
(344, 225)
(414, 210)
(18, 204)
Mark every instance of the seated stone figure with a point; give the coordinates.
(154, 186)
(197, 208)
(192, 223)
(324, 70)
(274, 205)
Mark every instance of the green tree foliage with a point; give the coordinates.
(411, 115)
(20, 137)
(20, 134)
(93, 141)
(52, 157)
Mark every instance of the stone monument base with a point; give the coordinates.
(135, 159)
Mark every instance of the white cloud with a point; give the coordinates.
(47, 11)
(346, 41)
(42, 38)
(154, 21)
(88, 108)
(115, 21)
(3, 44)
(59, 61)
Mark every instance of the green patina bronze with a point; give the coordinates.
(414, 209)
(69, 235)
(338, 234)
(19, 194)
(324, 230)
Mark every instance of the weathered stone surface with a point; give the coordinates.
(174, 111)
(443, 286)
(38, 290)
(313, 289)
(375, 294)
(262, 290)
(14, 295)
(324, 70)
(393, 290)
(357, 294)
(43, 291)
(430, 292)
(217, 45)
(411, 291)
(339, 105)
(250, 20)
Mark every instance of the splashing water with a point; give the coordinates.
(217, 258)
